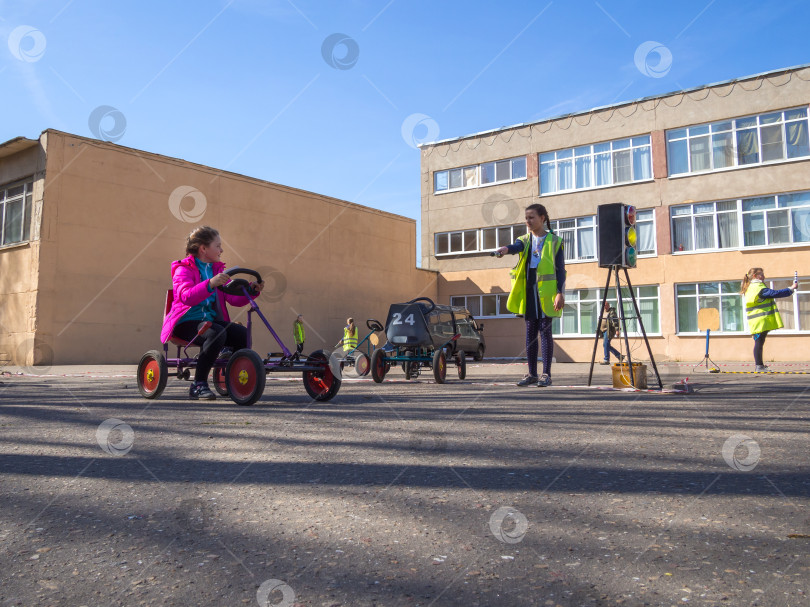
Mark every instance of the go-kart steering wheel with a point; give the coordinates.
(427, 299)
(234, 287)
(375, 325)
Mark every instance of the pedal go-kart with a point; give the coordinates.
(421, 335)
(242, 376)
(356, 358)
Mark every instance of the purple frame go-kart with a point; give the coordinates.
(241, 376)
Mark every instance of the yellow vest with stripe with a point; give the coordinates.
(298, 332)
(349, 340)
(761, 313)
(546, 276)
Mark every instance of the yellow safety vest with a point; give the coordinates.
(349, 340)
(762, 313)
(546, 276)
(298, 332)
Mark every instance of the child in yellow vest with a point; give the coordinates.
(760, 309)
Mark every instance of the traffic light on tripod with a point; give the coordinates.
(617, 235)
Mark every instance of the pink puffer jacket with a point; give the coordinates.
(190, 290)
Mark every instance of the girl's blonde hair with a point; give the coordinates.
(350, 321)
(202, 236)
(748, 278)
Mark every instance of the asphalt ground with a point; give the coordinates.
(474, 492)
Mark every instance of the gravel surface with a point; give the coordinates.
(470, 493)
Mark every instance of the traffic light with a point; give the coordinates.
(617, 235)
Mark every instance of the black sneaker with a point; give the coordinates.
(528, 380)
(201, 392)
(544, 381)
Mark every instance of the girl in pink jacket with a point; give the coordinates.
(197, 300)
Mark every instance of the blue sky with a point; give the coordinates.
(268, 88)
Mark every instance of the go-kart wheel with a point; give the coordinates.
(379, 366)
(219, 381)
(479, 354)
(362, 365)
(245, 377)
(152, 374)
(461, 364)
(321, 385)
(406, 366)
(439, 366)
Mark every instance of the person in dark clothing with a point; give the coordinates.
(609, 328)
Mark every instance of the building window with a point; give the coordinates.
(15, 213)
(484, 306)
(772, 137)
(488, 173)
(476, 241)
(596, 166)
(723, 296)
(782, 219)
(645, 233)
(579, 237)
(581, 311)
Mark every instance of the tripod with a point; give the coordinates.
(614, 271)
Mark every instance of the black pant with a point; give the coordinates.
(759, 343)
(299, 347)
(220, 334)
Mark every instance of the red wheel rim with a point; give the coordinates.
(243, 378)
(442, 366)
(361, 365)
(321, 383)
(381, 366)
(150, 376)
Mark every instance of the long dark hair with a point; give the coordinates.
(541, 210)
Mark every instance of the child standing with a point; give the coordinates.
(197, 300)
(760, 309)
(299, 334)
(538, 283)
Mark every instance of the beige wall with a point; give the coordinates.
(19, 269)
(109, 236)
(474, 208)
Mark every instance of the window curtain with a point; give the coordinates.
(747, 146)
(568, 244)
(646, 238)
(642, 163)
(586, 243)
(603, 172)
(727, 230)
(797, 141)
(682, 232)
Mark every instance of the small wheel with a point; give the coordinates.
(361, 364)
(479, 354)
(219, 381)
(185, 374)
(406, 366)
(379, 366)
(461, 364)
(439, 366)
(321, 385)
(152, 374)
(245, 377)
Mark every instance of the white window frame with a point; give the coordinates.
(652, 227)
(454, 301)
(673, 136)
(579, 226)
(26, 197)
(616, 147)
(479, 175)
(572, 297)
(516, 230)
(781, 203)
(696, 297)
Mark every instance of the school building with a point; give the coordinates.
(89, 230)
(720, 175)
